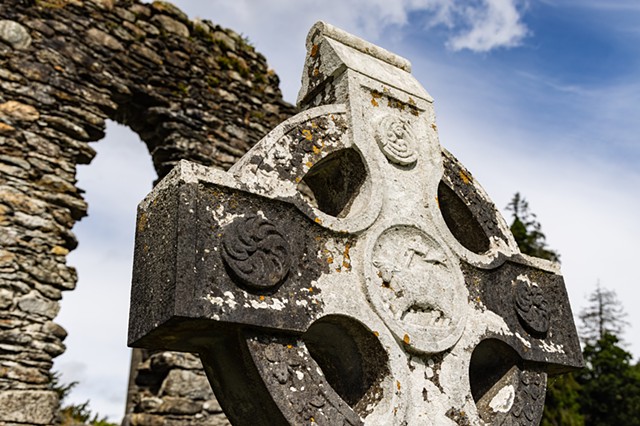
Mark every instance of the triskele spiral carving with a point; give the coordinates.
(256, 252)
(396, 140)
(531, 305)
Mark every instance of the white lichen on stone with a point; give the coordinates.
(503, 400)
(276, 304)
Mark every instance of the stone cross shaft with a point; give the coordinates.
(348, 270)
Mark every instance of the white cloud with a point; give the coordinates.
(492, 24)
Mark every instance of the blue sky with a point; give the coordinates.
(538, 97)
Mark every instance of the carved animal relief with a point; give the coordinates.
(348, 270)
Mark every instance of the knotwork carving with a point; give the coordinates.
(524, 411)
(256, 252)
(396, 140)
(531, 305)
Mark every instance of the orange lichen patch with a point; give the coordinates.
(289, 346)
(406, 339)
(316, 150)
(375, 333)
(316, 71)
(347, 247)
(142, 222)
(310, 289)
(309, 164)
(261, 298)
(329, 259)
(411, 101)
(415, 112)
(437, 202)
(307, 134)
(318, 220)
(398, 384)
(434, 127)
(59, 251)
(298, 179)
(465, 176)
(375, 95)
(346, 259)
(314, 50)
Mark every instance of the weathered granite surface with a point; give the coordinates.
(190, 89)
(348, 270)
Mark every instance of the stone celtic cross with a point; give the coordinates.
(349, 270)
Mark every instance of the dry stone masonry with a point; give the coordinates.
(348, 270)
(190, 89)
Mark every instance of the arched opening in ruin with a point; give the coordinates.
(95, 314)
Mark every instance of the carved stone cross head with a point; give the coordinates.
(348, 270)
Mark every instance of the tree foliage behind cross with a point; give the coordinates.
(607, 391)
(527, 230)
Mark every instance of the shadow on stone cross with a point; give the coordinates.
(348, 270)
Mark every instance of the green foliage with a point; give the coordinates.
(74, 414)
(610, 392)
(527, 231)
(562, 403)
(233, 63)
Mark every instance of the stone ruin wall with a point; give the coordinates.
(189, 89)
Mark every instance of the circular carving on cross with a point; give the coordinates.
(396, 140)
(531, 305)
(256, 252)
(417, 288)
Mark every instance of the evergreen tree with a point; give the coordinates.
(527, 231)
(562, 402)
(74, 414)
(610, 385)
(604, 315)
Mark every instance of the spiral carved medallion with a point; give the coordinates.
(531, 306)
(256, 252)
(396, 140)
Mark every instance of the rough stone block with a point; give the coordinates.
(28, 407)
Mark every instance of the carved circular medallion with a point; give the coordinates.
(417, 288)
(256, 252)
(531, 306)
(396, 140)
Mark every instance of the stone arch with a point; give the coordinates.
(189, 89)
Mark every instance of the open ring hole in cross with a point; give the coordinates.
(333, 183)
(493, 371)
(461, 221)
(351, 358)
